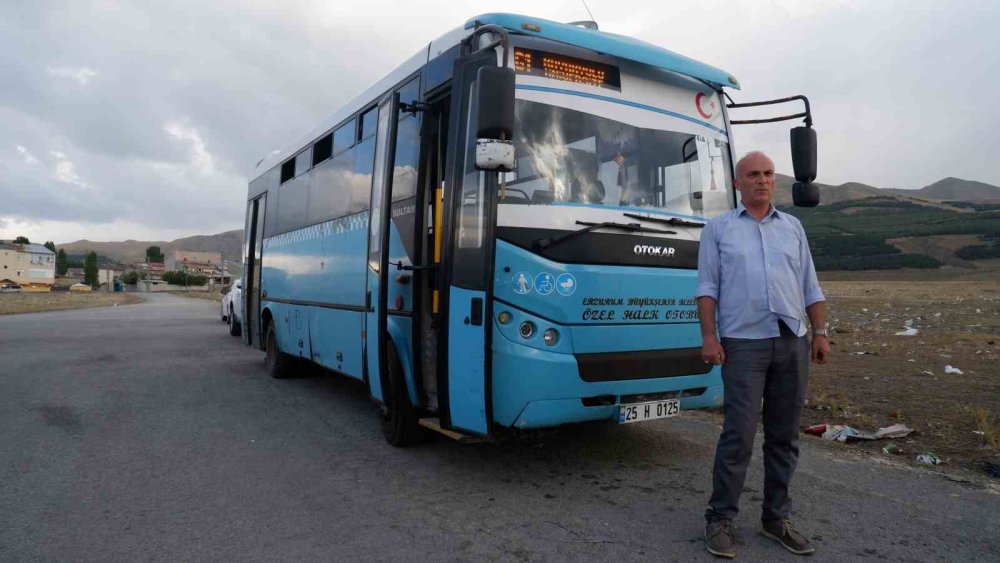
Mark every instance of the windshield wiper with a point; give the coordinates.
(543, 243)
(673, 221)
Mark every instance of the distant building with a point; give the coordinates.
(209, 264)
(31, 266)
(151, 269)
(108, 274)
(74, 272)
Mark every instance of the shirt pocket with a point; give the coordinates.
(788, 249)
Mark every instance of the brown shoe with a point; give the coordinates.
(719, 538)
(782, 532)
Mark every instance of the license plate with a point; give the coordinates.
(638, 412)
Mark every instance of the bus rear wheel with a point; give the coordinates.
(400, 420)
(279, 364)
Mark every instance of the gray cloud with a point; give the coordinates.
(120, 114)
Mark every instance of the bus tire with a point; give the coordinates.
(400, 424)
(234, 325)
(279, 364)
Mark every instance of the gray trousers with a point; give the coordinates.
(773, 371)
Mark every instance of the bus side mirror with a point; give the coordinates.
(495, 119)
(804, 153)
(804, 192)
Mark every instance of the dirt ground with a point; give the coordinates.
(206, 295)
(876, 378)
(14, 303)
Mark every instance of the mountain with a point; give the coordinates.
(948, 189)
(228, 243)
(828, 193)
(956, 189)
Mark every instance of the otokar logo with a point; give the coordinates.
(657, 251)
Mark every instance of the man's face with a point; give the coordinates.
(755, 180)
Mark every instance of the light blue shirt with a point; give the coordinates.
(758, 272)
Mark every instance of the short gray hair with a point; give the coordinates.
(747, 156)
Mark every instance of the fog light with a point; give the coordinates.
(526, 329)
(504, 317)
(551, 336)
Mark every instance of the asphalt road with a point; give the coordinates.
(147, 432)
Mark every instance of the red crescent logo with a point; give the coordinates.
(697, 105)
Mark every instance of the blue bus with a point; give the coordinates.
(502, 233)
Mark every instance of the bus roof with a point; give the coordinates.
(602, 42)
(609, 44)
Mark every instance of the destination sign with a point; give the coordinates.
(567, 69)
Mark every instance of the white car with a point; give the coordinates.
(232, 307)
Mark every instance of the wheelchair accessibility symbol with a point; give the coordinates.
(566, 284)
(545, 283)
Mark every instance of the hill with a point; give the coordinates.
(956, 189)
(229, 243)
(828, 193)
(953, 194)
(891, 232)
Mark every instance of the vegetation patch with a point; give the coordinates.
(854, 234)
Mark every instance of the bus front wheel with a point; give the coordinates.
(234, 325)
(400, 424)
(279, 364)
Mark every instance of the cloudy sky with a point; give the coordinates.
(144, 119)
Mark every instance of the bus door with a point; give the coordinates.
(253, 235)
(464, 378)
(376, 300)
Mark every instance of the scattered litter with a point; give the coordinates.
(839, 433)
(992, 468)
(978, 311)
(847, 433)
(908, 331)
(864, 310)
(927, 372)
(979, 432)
(937, 314)
(867, 378)
(862, 353)
(892, 449)
(952, 370)
(929, 458)
(816, 429)
(876, 315)
(911, 360)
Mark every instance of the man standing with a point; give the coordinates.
(755, 270)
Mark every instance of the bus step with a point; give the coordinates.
(435, 425)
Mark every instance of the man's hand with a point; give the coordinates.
(712, 352)
(820, 350)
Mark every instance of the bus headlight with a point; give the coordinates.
(551, 336)
(504, 317)
(527, 329)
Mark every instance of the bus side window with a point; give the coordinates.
(404, 175)
(343, 137)
(360, 188)
(367, 128)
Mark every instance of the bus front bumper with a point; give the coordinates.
(534, 388)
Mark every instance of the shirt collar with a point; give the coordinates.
(772, 212)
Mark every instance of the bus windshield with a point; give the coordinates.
(566, 156)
